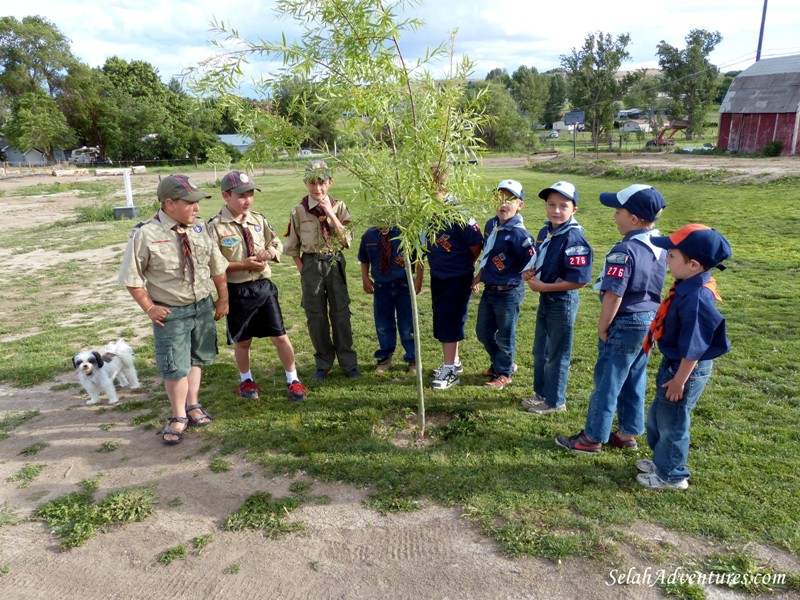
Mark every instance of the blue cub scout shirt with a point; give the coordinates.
(632, 271)
(512, 251)
(370, 252)
(450, 255)
(569, 257)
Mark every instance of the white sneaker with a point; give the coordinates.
(458, 366)
(645, 465)
(653, 481)
(534, 400)
(445, 380)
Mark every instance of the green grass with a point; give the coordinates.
(34, 448)
(75, 517)
(26, 474)
(499, 465)
(262, 513)
(14, 419)
(175, 553)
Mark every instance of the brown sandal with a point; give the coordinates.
(199, 421)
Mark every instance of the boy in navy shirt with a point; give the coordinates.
(380, 252)
(630, 291)
(690, 333)
(508, 251)
(451, 256)
(563, 266)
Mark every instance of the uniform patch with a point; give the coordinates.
(615, 271)
(197, 229)
(617, 258)
(442, 241)
(527, 242)
(257, 227)
(577, 251)
(578, 261)
(498, 263)
(230, 241)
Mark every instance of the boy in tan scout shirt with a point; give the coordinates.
(319, 228)
(169, 266)
(249, 243)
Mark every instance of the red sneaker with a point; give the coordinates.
(248, 389)
(297, 391)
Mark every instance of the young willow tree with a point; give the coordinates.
(399, 120)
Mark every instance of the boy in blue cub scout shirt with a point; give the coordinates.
(380, 252)
(451, 252)
(630, 289)
(690, 332)
(508, 251)
(563, 266)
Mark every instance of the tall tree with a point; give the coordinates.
(690, 79)
(592, 85)
(89, 104)
(499, 75)
(34, 55)
(530, 89)
(556, 98)
(37, 123)
(505, 127)
(407, 121)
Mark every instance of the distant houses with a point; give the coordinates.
(29, 157)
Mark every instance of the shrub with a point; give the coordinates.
(773, 148)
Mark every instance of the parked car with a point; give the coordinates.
(553, 133)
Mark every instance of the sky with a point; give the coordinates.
(175, 34)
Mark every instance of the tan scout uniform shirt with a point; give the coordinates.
(305, 232)
(152, 260)
(226, 232)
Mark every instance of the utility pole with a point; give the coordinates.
(761, 31)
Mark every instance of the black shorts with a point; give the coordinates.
(254, 311)
(450, 301)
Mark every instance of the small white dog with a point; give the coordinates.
(97, 372)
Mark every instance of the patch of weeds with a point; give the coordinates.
(219, 465)
(315, 566)
(463, 424)
(299, 490)
(524, 538)
(74, 518)
(200, 542)
(34, 448)
(5, 570)
(388, 503)
(322, 499)
(170, 554)
(13, 420)
(684, 591)
(107, 426)
(741, 571)
(261, 512)
(8, 515)
(108, 447)
(205, 448)
(231, 569)
(26, 474)
(175, 502)
(247, 474)
(147, 418)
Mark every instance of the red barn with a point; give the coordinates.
(762, 105)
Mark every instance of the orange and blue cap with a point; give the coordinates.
(699, 242)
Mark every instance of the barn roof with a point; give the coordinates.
(771, 85)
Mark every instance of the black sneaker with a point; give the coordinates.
(354, 373)
(579, 443)
(320, 374)
(297, 391)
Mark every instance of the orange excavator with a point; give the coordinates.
(673, 127)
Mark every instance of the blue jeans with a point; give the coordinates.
(620, 378)
(496, 328)
(552, 345)
(390, 299)
(668, 422)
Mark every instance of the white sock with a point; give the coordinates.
(246, 376)
(291, 376)
(449, 367)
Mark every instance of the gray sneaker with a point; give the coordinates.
(534, 400)
(459, 369)
(654, 482)
(445, 380)
(543, 408)
(645, 465)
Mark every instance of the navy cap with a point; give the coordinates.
(565, 188)
(704, 244)
(513, 186)
(644, 201)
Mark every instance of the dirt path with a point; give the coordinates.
(345, 551)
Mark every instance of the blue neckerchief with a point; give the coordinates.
(515, 221)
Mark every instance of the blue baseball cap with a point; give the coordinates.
(565, 188)
(513, 186)
(644, 201)
(700, 242)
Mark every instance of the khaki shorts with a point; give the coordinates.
(188, 338)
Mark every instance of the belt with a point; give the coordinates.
(323, 257)
(500, 288)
